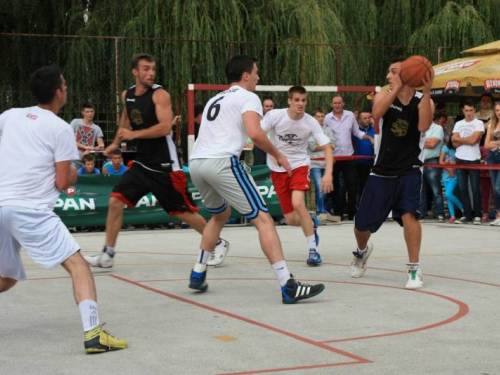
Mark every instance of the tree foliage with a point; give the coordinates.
(295, 41)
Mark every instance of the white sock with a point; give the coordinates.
(201, 261)
(281, 271)
(361, 252)
(90, 316)
(110, 250)
(311, 242)
(413, 265)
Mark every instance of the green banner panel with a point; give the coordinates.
(86, 203)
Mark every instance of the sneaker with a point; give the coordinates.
(294, 291)
(462, 220)
(485, 218)
(98, 340)
(452, 220)
(316, 225)
(414, 278)
(197, 281)
(477, 221)
(358, 265)
(440, 219)
(101, 260)
(314, 258)
(219, 253)
(496, 222)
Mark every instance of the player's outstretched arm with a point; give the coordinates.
(124, 124)
(66, 175)
(426, 106)
(327, 179)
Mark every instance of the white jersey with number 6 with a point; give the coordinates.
(222, 132)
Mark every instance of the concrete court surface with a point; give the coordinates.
(361, 326)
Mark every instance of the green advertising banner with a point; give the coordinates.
(86, 203)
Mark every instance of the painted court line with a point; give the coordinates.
(356, 359)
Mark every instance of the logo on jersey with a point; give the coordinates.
(291, 139)
(400, 128)
(131, 100)
(85, 135)
(31, 116)
(136, 117)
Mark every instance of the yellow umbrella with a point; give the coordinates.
(468, 76)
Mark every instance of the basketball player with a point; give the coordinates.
(228, 119)
(290, 130)
(148, 110)
(35, 164)
(395, 181)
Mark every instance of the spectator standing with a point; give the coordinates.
(318, 166)
(450, 180)
(466, 137)
(198, 112)
(364, 147)
(343, 125)
(432, 176)
(493, 144)
(88, 166)
(87, 133)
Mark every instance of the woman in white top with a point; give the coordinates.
(492, 143)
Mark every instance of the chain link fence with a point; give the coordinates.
(97, 68)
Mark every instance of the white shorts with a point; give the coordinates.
(41, 233)
(226, 180)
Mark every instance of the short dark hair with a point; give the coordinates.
(267, 98)
(398, 60)
(88, 105)
(366, 110)
(437, 116)
(296, 90)
(469, 103)
(44, 83)
(116, 151)
(198, 109)
(87, 158)
(487, 94)
(237, 66)
(134, 63)
(318, 110)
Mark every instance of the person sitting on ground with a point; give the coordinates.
(115, 166)
(88, 166)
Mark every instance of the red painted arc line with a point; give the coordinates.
(310, 367)
(246, 320)
(463, 309)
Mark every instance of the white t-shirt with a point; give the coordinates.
(291, 136)
(85, 134)
(222, 132)
(33, 140)
(466, 129)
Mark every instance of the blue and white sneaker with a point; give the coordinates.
(197, 281)
(315, 220)
(294, 291)
(314, 258)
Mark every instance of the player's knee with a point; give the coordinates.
(116, 204)
(6, 283)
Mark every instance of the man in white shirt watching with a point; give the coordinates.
(343, 125)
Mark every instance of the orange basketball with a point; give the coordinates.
(414, 69)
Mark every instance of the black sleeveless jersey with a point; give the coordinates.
(399, 151)
(151, 152)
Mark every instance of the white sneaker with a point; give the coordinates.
(477, 221)
(219, 254)
(101, 260)
(414, 278)
(496, 222)
(358, 265)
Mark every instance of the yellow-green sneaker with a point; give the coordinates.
(98, 340)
